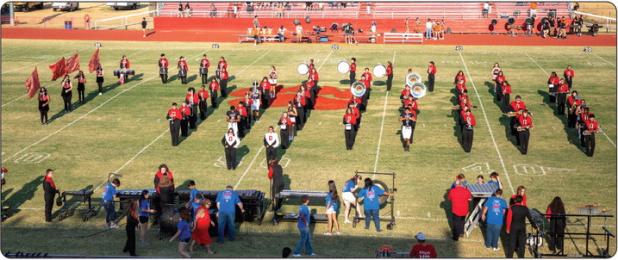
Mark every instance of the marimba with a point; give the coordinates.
(480, 192)
(84, 196)
(293, 197)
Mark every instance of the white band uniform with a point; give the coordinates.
(406, 132)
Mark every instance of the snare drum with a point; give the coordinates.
(343, 67)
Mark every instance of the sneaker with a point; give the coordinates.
(313, 254)
(100, 93)
(347, 222)
(496, 249)
(328, 234)
(296, 255)
(113, 225)
(338, 233)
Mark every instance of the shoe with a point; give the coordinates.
(347, 222)
(113, 225)
(379, 230)
(496, 249)
(328, 234)
(337, 233)
(296, 255)
(313, 254)
(100, 93)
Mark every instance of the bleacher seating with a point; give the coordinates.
(423, 10)
(522, 8)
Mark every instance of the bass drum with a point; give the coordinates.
(383, 186)
(168, 220)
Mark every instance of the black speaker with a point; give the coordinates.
(168, 220)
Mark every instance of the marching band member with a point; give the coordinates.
(213, 87)
(203, 97)
(354, 106)
(431, 75)
(232, 117)
(285, 126)
(164, 185)
(353, 71)
(349, 122)
(523, 130)
(223, 82)
(43, 104)
(247, 103)
(272, 76)
(561, 95)
(100, 79)
(592, 127)
(573, 101)
(495, 71)
(365, 96)
(185, 111)
(293, 115)
(204, 65)
(389, 75)
(411, 103)
(163, 66)
(461, 86)
(256, 102)
(313, 86)
(271, 142)
(311, 65)
(299, 103)
(506, 94)
(367, 82)
(467, 134)
(230, 143)
(192, 99)
(552, 84)
(81, 86)
(242, 123)
(569, 73)
(349, 199)
(183, 69)
(174, 116)
(310, 90)
(517, 106)
(583, 113)
(50, 190)
(408, 123)
(125, 65)
(499, 82)
(67, 93)
(266, 97)
(460, 76)
(405, 93)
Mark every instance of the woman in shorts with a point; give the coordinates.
(349, 199)
(144, 215)
(183, 234)
(332, 206)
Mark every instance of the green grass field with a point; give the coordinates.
(125, 130)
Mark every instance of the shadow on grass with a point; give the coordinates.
(571, 133)
(24, 194)
(73, 203)
(457, 127)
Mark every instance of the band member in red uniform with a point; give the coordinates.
(125, 63)
(311, 65)
(583, 113)
(389, 75)
(460, 76)
(192, 100)
(213, 87)
(349, 122)
(364, 98)
(499, 82)
(561, 96)
(495, 71)
(285, 126)
(230, 143)
(405, 93)
(569, 73)
(299, 103)
(368, 80)
(222, 63)
(100, 79)
(271, 142)
(174, 116)
(573, 101)
(460, 86)
(353, 71)
(50, 190)
(183, 69)
(185, 110)
(408, 124)
(163, 66)
(354, 106)
(506, 95)
(313, 79)
(204, 65)
(43, 104)
(265, 87)
(247, 103)
(67, 93)
(411, 103)
(203, 95)
(242, 124)
(431, 75)
(552, 84)
(523, 130)
(592, 127)
(516, 107)
(224, 77)
(81, 86)
(467, 134)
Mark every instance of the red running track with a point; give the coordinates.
(232, 36)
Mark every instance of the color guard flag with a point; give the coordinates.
(72, 64)
(58, 69)
(94, 61)
(32, 83)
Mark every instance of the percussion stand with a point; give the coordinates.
(390, 200)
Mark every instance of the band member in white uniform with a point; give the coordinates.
(272, 76)
(271, 142)
(408, 123)
(285, 125)
(256, 96)
(349, 199)
(230, 142)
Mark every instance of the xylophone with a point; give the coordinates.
(126, 196)
(480, 192)
(484, 190)
(84, 196)
(292, 197)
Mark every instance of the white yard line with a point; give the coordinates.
(606, 61)
(537, 64)
(375, 164)
(249, 167)
(15, 99)
(78, 119)
(491, 133)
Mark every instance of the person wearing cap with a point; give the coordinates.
(174, 116)
(49, 187)
(493, 214)
(109, 192)
(304, 219)
(422, 249)
(460, 198)
(226, 203)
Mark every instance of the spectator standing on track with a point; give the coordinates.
(281, 33)
(256, 22)
(299, 33)
(187, 10)
(407, 25)
(180, 10)
(87, 21)
(428, 28)
(460, 200)
(485, 9)
(417, 25)
(493, 214)
(422, 249)
(144, 25)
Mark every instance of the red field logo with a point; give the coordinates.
(329, 98)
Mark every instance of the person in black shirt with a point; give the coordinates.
(277, 183)
(132, 223)
(557, 223)
(232, 119)
(516, 227)
(49, 188)
(144, 25)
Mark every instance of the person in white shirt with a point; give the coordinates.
(299, 33)
(271, 142)
(428, 27)
(281, 33)
(230, 142)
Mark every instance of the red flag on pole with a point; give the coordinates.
(94, 61)
(72, 63)
(58, 69)
(32, 83)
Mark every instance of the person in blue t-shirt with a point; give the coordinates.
(370, 195)
(304, 218)
(183, 233)
(332, 207)
(144, 215)
(226, 203)
(194, 198)
(349, 199)
(109, 192)
(493, 215)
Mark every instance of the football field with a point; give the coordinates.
(125, 131)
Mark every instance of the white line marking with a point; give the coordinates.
(325, 59)
(533, 60)
(491, 133)
(606, 61)
(15, 99)
(249, 167)
(78, 119)
(375, 164)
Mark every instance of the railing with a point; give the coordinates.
(122, 21)
(609, 21)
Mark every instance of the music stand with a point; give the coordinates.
(390, 200)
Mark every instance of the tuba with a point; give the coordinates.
(358, 89)
(412, 78)
(418, 90)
